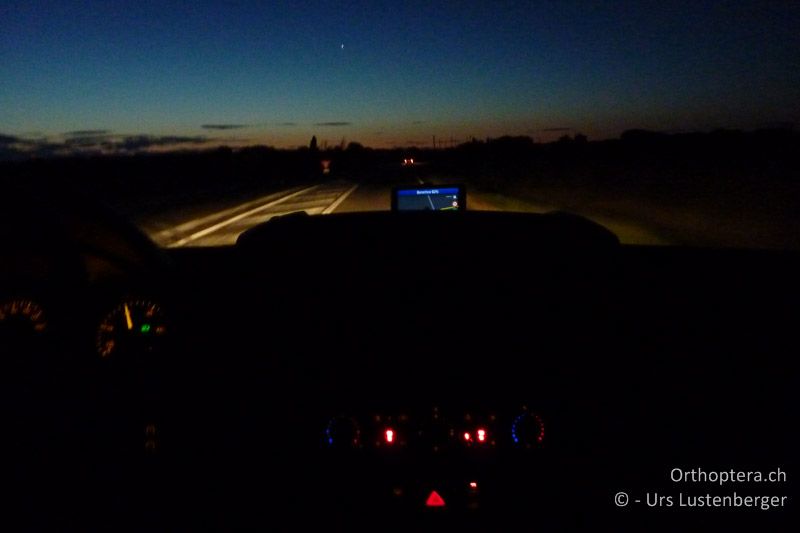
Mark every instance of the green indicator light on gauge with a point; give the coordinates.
(145, 328)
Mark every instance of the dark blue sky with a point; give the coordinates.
(408, 70)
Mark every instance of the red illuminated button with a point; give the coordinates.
(434, 500)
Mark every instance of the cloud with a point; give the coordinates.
(86, 133)
(5, 140)
(287, 123)
(128, 143)
(132, 143)
(13, 147)
(332, 123)
(23, 143)
(554, 130)
(8, 140)
(224, 126)
(86, 141)
(418, 122)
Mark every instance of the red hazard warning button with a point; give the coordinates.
(434, 500)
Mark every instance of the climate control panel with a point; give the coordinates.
(437, 430)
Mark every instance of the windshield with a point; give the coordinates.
(670, 123)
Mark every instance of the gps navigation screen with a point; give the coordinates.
(450, 198)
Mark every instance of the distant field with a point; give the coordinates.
(745, 215)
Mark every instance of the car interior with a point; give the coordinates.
(400, 370)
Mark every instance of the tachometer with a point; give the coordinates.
(22, 316)
(23, 344)
(135, 326)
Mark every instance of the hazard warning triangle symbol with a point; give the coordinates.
(434, 500)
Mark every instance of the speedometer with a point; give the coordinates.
(133, 327)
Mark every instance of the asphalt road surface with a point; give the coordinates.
(213, 226)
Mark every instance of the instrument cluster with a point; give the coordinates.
(129, 326)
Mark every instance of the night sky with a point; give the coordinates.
(392, 73)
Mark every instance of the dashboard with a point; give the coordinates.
(384, 370)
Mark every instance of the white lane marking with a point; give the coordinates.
(431, 202)
(420, 180)
(336, 203)
(227, 222)
(184, 227)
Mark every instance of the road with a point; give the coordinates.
(216, 228)
(212, 226)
